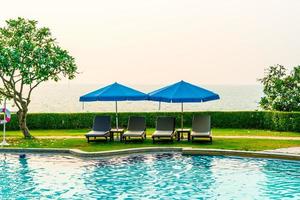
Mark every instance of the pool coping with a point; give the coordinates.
(183, 150)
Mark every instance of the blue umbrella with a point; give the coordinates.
(114, 92)
(182, 92)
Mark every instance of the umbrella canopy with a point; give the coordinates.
(114, 92)
(182, 92)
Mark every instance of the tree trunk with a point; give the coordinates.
(22, 114)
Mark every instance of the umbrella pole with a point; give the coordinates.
(159, 106)
(117, 123)
(181, 115)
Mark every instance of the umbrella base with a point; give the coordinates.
(4, 143)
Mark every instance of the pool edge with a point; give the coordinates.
(183, 150)
(254, 154)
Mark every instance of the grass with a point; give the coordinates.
(253, 132)
(218, 143)
(216, 132)
(15, 138)
(58, 132)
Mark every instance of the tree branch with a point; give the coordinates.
(30, 91)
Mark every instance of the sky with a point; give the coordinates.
(164, 41)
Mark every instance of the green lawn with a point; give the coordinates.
(62, 132)
(16, 140)
(217, 132)
(238, 144)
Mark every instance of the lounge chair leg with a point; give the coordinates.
(88, 139)
(111, 136)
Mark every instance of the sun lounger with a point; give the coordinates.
(101, 128)
(136, 128)
(165, 128)
(201, 127)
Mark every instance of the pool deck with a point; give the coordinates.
(287, 153)
(290, 150)
(256, 154)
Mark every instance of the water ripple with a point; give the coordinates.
(149, 176)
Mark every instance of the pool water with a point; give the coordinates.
(147, 176)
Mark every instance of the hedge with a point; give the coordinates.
(281, 121)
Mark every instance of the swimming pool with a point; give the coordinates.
(147, 176)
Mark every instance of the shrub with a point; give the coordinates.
(281, 121)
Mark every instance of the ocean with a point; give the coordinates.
(65, 98)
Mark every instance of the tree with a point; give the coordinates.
(282, 91)
(29, 56)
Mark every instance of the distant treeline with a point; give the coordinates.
(281, 121)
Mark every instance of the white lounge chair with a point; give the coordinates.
(201, 127)
(136, 128)
(101, 128)
(165, 128)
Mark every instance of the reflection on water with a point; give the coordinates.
(65, 98)
(286, 177)
(147, 176)
(247, 178)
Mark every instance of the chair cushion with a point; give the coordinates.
(101, 123)
(201, 123)
(136, 123)
(159, 133)
(201, 134)
(97, 134)
(133, 133)
(165, 123)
